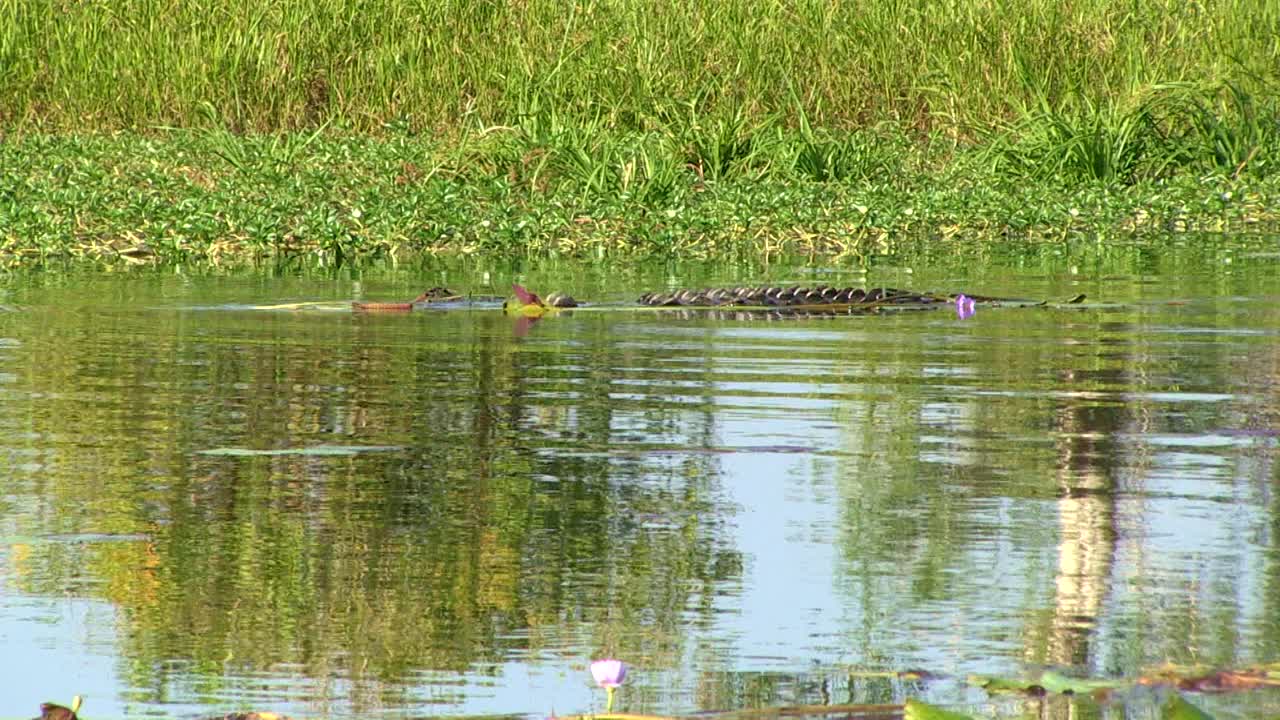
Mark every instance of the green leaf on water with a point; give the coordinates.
(998, 684)
(1048, 681)
(1178, 708)
(1055, 682)
(321, 450)
(916, 710)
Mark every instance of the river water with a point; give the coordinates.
(207, 506)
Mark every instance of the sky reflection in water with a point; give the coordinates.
(742, 511)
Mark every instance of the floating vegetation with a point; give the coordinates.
(555, 128)
(1176, 708)
(1046, 682)
(99, 199)
(1193, 679)
(610, 674)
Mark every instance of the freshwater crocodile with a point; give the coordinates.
(796, 299)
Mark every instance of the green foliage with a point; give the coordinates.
(825, 156)
(822, 155)
(1167, 128)
(275, 154)
(1177, 708)
(543, 127)
(1085, 142)
(713, 71)
(916, 710)
(1046, 681)
(720, 145)
(552, 189)
(1230, 131)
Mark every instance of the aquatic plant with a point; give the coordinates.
(133, 199)
(609, 674)
(1228, 130)
(1162, 129)
(916, 710)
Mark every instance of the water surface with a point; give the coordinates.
(206, 507)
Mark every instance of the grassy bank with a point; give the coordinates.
(332, 130)
(267, 66)
(221, 199)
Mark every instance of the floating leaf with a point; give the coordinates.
(916, 710)
(1048, 681)
(1179, 709)
(1056, 682)
(1001, 685)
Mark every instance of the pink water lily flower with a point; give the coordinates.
(609, 673)
(965, 307)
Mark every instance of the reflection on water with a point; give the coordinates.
(205, 508)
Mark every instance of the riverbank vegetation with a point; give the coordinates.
(329, 130)
(954, 65)
(221, 199)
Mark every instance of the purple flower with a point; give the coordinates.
(965, 307)
(609, 673)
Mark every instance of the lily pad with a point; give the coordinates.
(1178, 708)
(916, 710)
(321, 450)
(1056, 682)
(1048, 682)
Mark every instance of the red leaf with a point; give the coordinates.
(524, 296)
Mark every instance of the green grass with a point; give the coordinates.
(1169, 129)
(326, 131)
(722, 67)
(316, 199)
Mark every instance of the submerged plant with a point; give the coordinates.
(609, 675)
